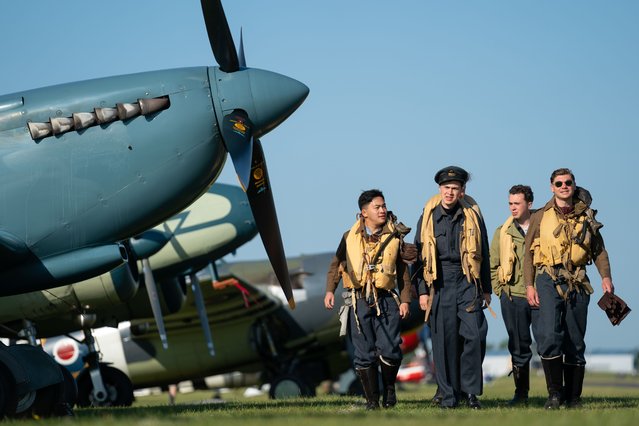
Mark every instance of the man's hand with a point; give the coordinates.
(423, 301)
(403, 310)
(487, 298)
(607, 286)
(329, 300)
(532, 296)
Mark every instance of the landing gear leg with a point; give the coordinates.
(98, 391)
(28, 332)
(100, 385)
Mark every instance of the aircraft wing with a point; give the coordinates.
(12, 250)
(22, 271)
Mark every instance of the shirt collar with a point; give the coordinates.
(519, 228)
(364, 230)
(439, 212)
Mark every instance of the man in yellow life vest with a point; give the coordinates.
(368, 262)
(562, 239)
(506, 267)
(454, 287)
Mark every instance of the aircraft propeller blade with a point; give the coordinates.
(273, 98)
(237, 132)
(241, 52)
(261, 200)
(152, 289)
(201, 311)
(220, 35)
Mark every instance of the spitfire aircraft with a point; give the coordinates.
(78, 158)
(216, 224)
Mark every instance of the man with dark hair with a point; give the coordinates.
(368, 262)
(562, 239)
(454, 286)
(506, 267)
(367, 196)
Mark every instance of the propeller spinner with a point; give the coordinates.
(251, 103)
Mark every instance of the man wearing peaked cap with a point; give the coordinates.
(454, 287)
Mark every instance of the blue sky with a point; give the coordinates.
(509, 90)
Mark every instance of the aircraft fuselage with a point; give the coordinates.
(105, 182)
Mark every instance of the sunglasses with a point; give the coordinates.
(559, 183)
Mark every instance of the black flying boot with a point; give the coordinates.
(370, 384)
(389, 375)
(521, 375)
(437, 398)
(553, 370)
(568, 379)
(574, 381)
(473, 402)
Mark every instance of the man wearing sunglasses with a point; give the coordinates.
(454, 287)
(562, 239)
(506, 266)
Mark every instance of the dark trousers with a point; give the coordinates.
(561, 324)
(518, 317)
(459, 336)
(377, 335)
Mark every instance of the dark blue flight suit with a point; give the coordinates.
(457, 321)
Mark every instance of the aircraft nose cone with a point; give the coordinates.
(267, 97)
(275, 98)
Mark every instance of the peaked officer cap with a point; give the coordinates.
(451, 173)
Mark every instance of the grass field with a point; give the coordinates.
(608, 400)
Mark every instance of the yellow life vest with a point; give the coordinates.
(359, 254)
(470, 245)
(562, 241)
(506, 253)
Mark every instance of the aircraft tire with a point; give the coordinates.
(118, 385)
(70, 388)
(45, 402)
(50, 401)
(290, 386)
(8, 399)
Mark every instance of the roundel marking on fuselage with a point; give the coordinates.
(66, 351)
